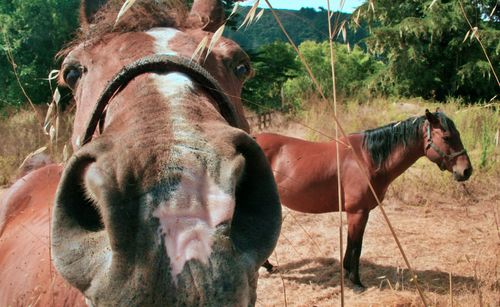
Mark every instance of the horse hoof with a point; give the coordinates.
(358, 289)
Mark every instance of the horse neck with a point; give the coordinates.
(401, 158)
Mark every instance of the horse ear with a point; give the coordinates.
(88, 9)
(207, 14)
(438, 109)
(431, 117)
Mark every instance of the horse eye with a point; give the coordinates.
(71, 75)
(242, 70)
(447, 139)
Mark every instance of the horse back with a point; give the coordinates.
(306, 173)
(27, 274)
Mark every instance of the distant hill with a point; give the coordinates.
(305, 24)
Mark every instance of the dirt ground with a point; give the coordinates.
(454, 232)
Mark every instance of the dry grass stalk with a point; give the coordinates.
(476, 280)
(475, 34)
(215, 38)
(30, 155)
(282, 280)
(339, 186)
(292, 245)
(316, 245)
(250, 17)
(125, 7)
(497, 223)
(10, 59)
(451, 291)
(384, 279)
(199, 49)
(202, 46)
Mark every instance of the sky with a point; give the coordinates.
(349, 5)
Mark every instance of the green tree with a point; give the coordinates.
(273, 65)
(33, 31)
(355, 70)
(424, 47)
(302, 25)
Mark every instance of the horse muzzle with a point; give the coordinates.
(462, 175)
(142, 235)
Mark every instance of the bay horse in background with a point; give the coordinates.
(306, 172)
(167, 200)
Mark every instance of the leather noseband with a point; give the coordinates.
(444, 157)
(160, 63)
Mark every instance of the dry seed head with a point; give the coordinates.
(199, 49)
(215, 38)
(34, 153)
(250, 15)
(125, 7)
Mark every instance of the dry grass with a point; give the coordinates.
(445, 227)
(20, 135)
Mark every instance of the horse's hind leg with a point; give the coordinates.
(269, 267)
(357, 222)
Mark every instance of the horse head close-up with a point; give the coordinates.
(444, 147)
(167, 199)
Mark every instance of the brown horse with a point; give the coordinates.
(167, 199)
(306, 172)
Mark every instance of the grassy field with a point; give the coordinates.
(447, 228)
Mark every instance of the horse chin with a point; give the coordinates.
(224, 280)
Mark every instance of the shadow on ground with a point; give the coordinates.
(325, 272)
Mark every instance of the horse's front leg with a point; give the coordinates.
(356, 223)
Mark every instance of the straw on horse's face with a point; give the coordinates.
(168, 201)
(444, 147)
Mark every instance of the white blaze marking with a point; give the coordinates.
(162, 38)
(190, 215)
(173, 86)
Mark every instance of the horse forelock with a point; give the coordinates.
(141, 16)
(446, 122)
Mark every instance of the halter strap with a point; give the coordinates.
(442, 154)
(160, 63)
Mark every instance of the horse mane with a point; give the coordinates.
(381, 141)
(142, 16)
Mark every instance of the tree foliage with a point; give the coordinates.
(33, 31)
(304, 24)
(355, 70)
(429, 49)
(273, 65)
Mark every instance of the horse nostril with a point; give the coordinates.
(76, 202)
(468, 172)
